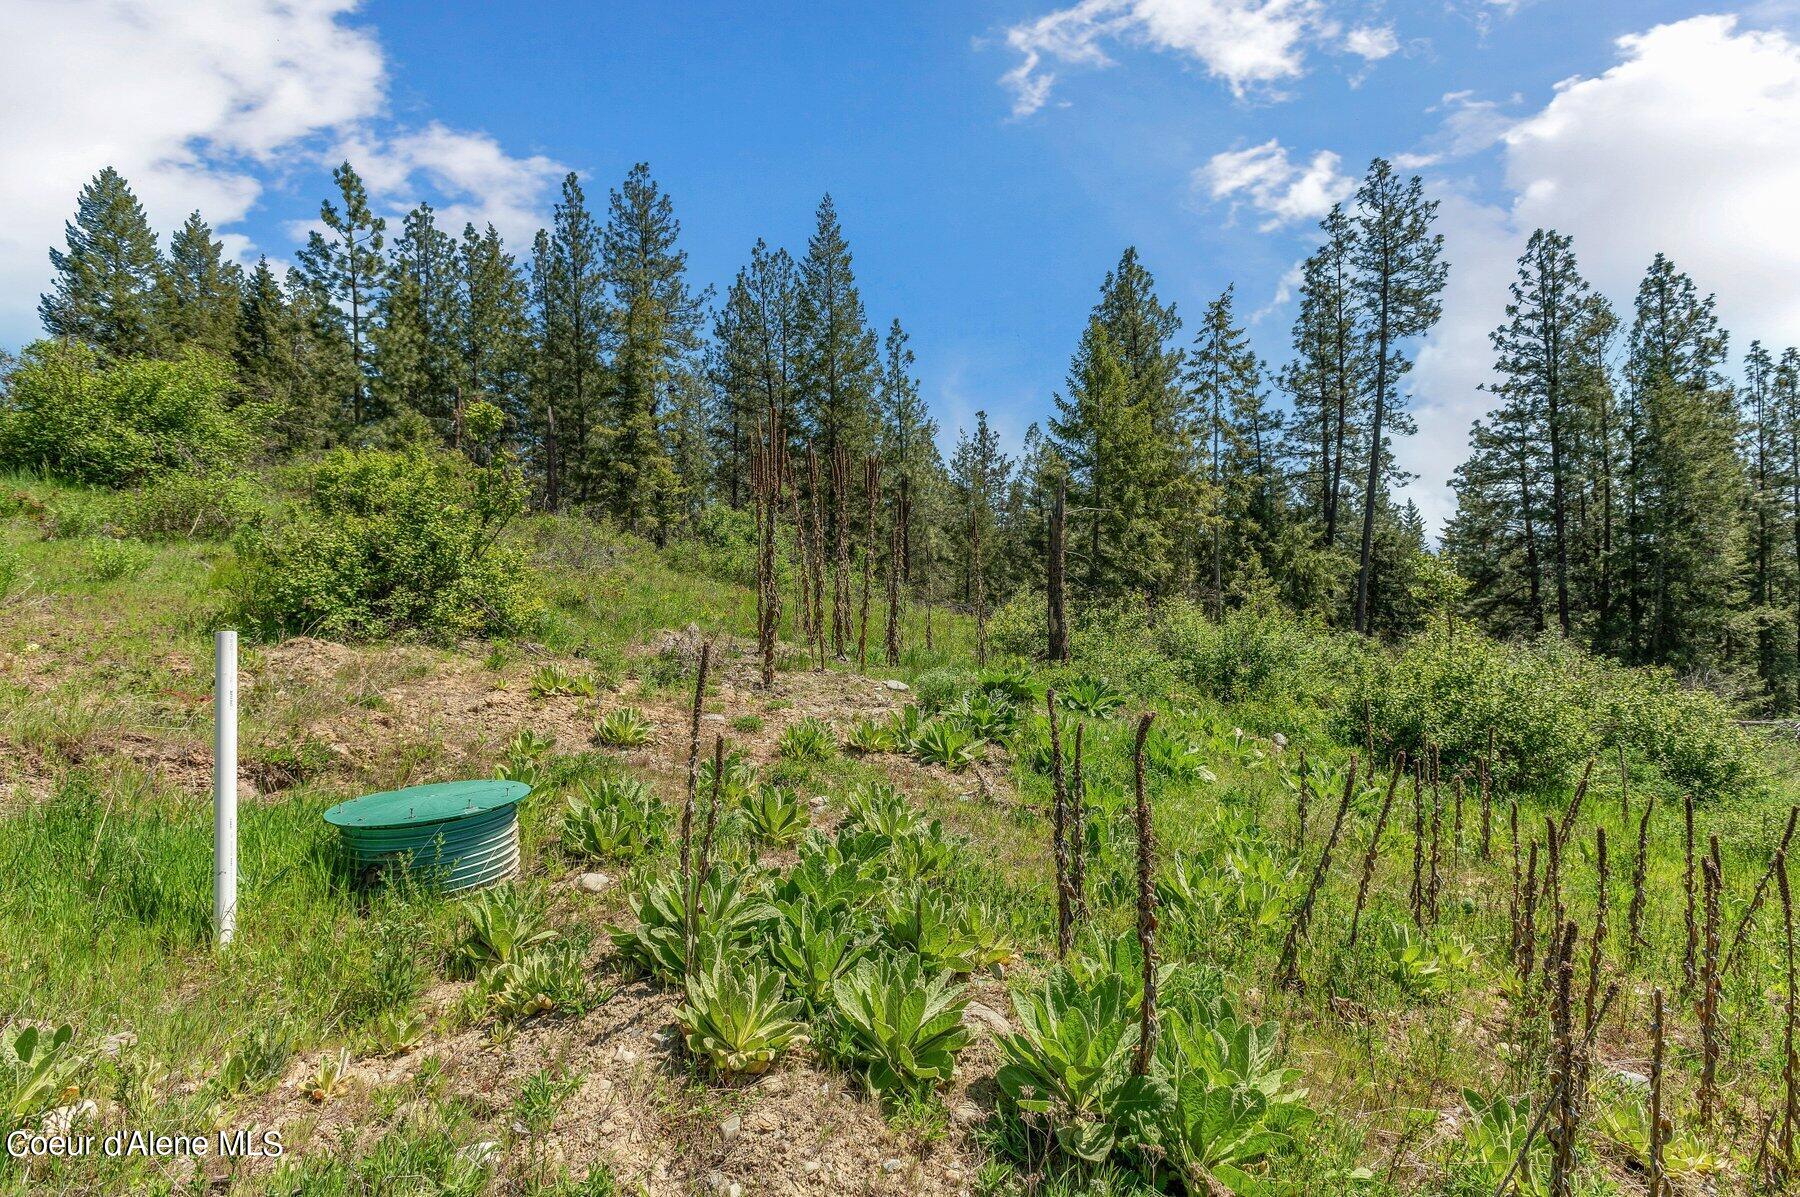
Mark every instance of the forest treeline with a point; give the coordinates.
(1623, 492)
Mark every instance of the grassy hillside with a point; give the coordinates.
(406, 1044)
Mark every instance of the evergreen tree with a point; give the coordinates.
(656, 333)
(1684, 537)
(755, 334)
(105, 291)
(283, 365)
(202, 290)
(571, 323)
(1327, 377)
(492, 330)
(1766, 494)
(1237, 437)
(1116, 462)
(1400, 276)
(343, 267)
(836, 346)
(1537, 357)
(907, 434)
(414, 340)
(980, 475)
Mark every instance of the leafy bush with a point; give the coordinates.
(110, 560)
(500, 926)
(69, 415)
(902, 1028)
(774, 815)
(810, 739)
(877, 807)
(1231, 1103)
(736, 781)
(549, 977)
(734, 909)
(553, 681)
(1071, 1062)
(1091, 696)
(736, 1015)
(942, 742)
(36, 1068)
(623, 727)
(938, 688)
(815, 944)
(614, 819)
(383, 542)
(871, 735)
(189, 506)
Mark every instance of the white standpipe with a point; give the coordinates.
(225, 712)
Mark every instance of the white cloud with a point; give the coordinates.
(1283, 191)
(1248, 44)
(1689, 145)
(198, 103)
(479, 182)
(1372, 42)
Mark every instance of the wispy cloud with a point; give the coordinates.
(1265, 177)
(1249, 45)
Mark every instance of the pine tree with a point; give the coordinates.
(1327, 377)
(1121, 427)
(656, 333)
(755, 334)
(283, 367)
(1114, 457)
(1767, 520)
(493, 332)
(1537, 356)
(413, 345)
(201, 290)
(1684, 536)
(105, 291)
(1400, 277)
(837, 349)
(907, 438)
(570, 318)
(1237, 437)
(344, 270)
(980, 473)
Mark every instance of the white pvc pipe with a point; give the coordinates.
(225, 712)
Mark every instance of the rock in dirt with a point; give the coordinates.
(896, 685)
(712, 717)
(967, 1113)
(482, 1153)
(730, 1128)
(986, 1018)
(892, 1166)
(593, 883)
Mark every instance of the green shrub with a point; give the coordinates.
(902, 1028)
(737, 1016)
(110, 560)
(191, 506)
(383, 542)
(68, 415)
(810, 739)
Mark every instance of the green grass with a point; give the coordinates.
(104, 920)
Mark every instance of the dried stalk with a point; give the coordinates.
(1287, 970)
(1690, 954)
(1761, 891)
(1303, 793)
(1659, 1127)
(1487, 801)
(687, 803)
(1640, 871)
(1059, 823)
(1709, 988)
(1078, 830)
(1790, 1057)
(1596, 946)
(896, 564)
(1146, 902)
(1374, 849)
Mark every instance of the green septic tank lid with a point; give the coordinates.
(421, 805)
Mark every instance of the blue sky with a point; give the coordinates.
(989, 160)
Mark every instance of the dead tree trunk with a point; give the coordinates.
(1055, 571)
